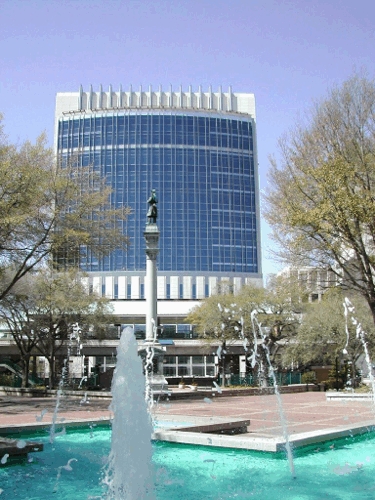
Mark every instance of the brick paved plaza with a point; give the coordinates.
(304, 412)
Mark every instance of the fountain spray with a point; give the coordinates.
(73, 336)
(129, 474)
(257, 327)
(349, 310)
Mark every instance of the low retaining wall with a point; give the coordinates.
(349, 396)
(40, 393)
(259, 391)
(176, 394)
(26, 392)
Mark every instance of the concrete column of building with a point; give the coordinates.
(151, 235)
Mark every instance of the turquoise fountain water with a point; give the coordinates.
(72, 469)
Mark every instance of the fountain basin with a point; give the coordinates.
(342, 469)
(207, 431)
(254, 440)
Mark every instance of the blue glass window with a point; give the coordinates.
(202, 168)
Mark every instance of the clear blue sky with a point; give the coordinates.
(287, 52)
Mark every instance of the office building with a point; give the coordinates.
(198, 151)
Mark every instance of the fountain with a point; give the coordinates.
(71, 469)
(131, 450)
(75, 465)
(257, 327)
(74, 337)
(349, 310)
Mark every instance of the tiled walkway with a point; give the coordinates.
(304, 412)
(22, 411)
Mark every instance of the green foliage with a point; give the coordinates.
(336, 380)
(321, 336)
(42, 311)
(50, 208)
(308, 377)
(227, 316)
(363, 388)
(321, 200)
(10, 380)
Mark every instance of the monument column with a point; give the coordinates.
(152, 350)
(151, 235)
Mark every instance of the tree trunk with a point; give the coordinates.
(263, 382)
(34, 368)
(262, 367)
(223, 371)
(25, 371)
(223, 354)
(371, 303)
(51, 375)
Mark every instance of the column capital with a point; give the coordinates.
(152, 253)
(151, 235)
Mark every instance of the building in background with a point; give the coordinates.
(198, 150)
(314, 281)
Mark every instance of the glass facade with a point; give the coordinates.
(187, 366)
(180, 331)
(202, 167)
